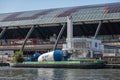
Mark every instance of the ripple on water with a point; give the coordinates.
(7, 73)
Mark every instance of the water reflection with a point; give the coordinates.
(7, 73)
(79, 74)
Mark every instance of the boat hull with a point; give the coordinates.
(63, 64)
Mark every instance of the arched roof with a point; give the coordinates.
(109, 11)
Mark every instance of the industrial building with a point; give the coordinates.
(41, 27)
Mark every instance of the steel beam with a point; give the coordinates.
(27, 36)
(60, 33)
(3, 32)
(98, 29)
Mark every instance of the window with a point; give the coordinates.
(96, 44)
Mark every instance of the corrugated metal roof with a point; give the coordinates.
(58, 15)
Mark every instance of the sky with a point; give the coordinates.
(7, 6)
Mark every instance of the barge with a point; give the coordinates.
(63, 64)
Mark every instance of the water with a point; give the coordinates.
(7, 73)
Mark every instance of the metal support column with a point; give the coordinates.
(28, 35)
(3, 32)
(69, 33)
(60, 33)
(98, 29)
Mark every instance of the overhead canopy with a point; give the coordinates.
(109, 11)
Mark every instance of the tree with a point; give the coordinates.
(18, 57)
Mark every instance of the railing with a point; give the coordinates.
(31, 47)
(31, 41)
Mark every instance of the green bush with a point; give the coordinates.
(18, 57)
